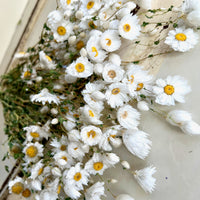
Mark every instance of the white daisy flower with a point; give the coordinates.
(44, 96)
(16, 186)
(89, 7)
(112, 73)
(89, 115)
(29, 74)
(77, 150)
(116, 95)
(94, 49)
(124, 197)
(95, 191)
(110, 40)
(129, 27)
(63, 159)
(53, 18)
(62, 30)
(76, 176)
(128, 117)
(35, 133)
(33, 151)
(172, 89)
(80, 68)
(109, 138)
(36, 170)
(59, 145)
(21, 55)
(145, 178)
(182, 39)
(137, 143)
(68, 4)
(91, 135)
(45, 61)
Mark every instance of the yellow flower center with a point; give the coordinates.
(127, 27)
(63, 147)
(92, 25)
(116, 91)
(17, 188)
(77, 176)
(91, 133)
(35, 134)
(80, 44)
(125, 115)
(27, 74)
(75, 148)
(22, 53)
(90, 5)
(64, 158)
(113, 136)
(76, 115)
(112, 74)
(26, 193)
(132, 79)
(109, 42)
(95, 50)
(80, 67)
(98, 166)
(48, 58)
(68, 2)
(139, 86)
(91, 114)
(169, 89)
(59, 189)
(40, 171)
(61, 30)
(31, 151)
(181, 37)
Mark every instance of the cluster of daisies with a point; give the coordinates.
(71, 162)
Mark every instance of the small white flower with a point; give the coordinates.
(79, 14)
(45, 61)
(137, 143)
(191, 128)
(112, 73)
(72, 191)
(44, 96)
(80, 68)
(72, 40)
(33, 151)
(53, 18)
(83, 52)
(28, 75)
(124, 197)
(128, 117)
(182, 39)
(54, 111)
(91, 135)
(59, 145)
(143, 106)
(68, 4)
(115, 59)
(129, 27)
(145, 178)
(125, 164)
(116, 95)
(36, 170)
(172, 89)
(89, 7)
(110, 40)
(95, 191)
(16, 186)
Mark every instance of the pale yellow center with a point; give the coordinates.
(64, 158)
(27, 74)
(35, 134)
(91, 133)
(17, 188)
(61, 30)
(181, 37)
(77, 176)
(113, 136)
(80, 67)
(31, 151)
(116, 91)
(90, 5)
(125, 115)
(95, 50)
(26, 193)
(91, 114)
(40, 171)
(68, 2)
(169, 89)
(80, 44)
(139, 86)
(127, 27)
(98, 166)
(63, 147)
(112, 74)
(109, 42)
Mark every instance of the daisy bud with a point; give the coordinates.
(69, 125)
(191, 128)
(76, 27)
(39, 79)
(44, 109)
(115, 59)
(137, 143)
(130, 5)
(70, 79)
(116, 143)
(72, 40)
(67, 55)
(145, 178)
(82, 34)
(113, 181)
(146, 4)
(125, 164)
(79, 14)
(54, 111)
(98, 69)
(83, 52)
(58, 87)
(112, 158)
(123, 12)
(143, 106)
(124, 197)
(67, 13)
(178, 117)
(54, 121)
(56, 171)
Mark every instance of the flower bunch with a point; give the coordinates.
(72, 99)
